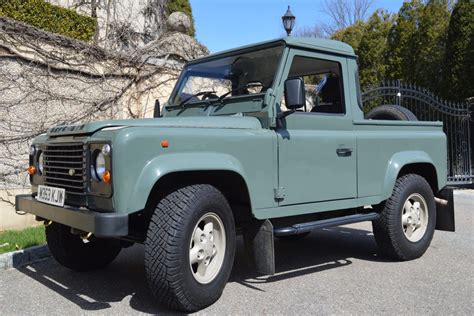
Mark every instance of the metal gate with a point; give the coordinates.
(428, 107)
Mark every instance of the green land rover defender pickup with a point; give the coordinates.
(264, 141)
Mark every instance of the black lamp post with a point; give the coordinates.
(288, 21)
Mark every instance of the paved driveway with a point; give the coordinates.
(333, 271)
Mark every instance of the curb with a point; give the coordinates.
(16, 259)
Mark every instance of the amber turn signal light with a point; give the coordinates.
(107, 176)
(31, 170)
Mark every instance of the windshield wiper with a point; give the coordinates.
(248, 85)
(203, 93)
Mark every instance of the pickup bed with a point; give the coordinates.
(267, 140)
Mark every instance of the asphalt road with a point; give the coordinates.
(334, 271)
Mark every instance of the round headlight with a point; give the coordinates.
(99, 166)
(106, 149)
(40, 162)
(32, 150)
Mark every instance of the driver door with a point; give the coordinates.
(316, 144)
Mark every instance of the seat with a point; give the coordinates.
(331, 98)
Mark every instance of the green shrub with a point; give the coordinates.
(51, 18)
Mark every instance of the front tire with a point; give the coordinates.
(406, 224)
(71, 252)
(189, 247)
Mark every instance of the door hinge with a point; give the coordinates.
(279, 193)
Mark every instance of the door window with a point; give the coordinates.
(323, 84)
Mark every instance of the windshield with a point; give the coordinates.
(240, 74)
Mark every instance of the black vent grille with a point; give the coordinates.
(65, 167)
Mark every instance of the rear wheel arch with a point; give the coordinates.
(405, 162)
(425, 170)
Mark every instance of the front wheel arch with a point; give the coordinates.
(232, 185)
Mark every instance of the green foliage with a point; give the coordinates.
(351, 35)
(403, 43)
(369, 40)
(459, 60)
(431, 36)
(181, 6)
(373, 48)
(417, 43)
(12, 240)
(413, 45)
(51, 18)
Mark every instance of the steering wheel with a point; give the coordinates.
(209, 95)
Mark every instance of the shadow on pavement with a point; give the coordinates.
(125, 279)
(322, 250)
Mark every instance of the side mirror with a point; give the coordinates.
(295, 94)
(156, 110)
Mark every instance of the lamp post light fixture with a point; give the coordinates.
(288, 21)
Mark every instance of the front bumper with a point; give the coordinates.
(100, 224)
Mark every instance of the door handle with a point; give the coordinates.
(344, 152)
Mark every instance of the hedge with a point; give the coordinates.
(51, 18)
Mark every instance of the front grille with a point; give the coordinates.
(65, 167)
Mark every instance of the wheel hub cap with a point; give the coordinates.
(207, 248)
(415, 217)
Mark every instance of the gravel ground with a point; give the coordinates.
(332, 271)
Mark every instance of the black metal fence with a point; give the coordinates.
(428, 107)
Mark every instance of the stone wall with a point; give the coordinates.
(47, 80)
(123, 24)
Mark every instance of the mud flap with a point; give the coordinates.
(445, 211)
(259, 244)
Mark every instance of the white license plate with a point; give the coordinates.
(51, 195)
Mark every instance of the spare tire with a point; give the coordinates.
(391, 112)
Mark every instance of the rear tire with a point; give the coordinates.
(71, 252)
(189, 247)
(406, 224)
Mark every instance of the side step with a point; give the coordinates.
(306, 227)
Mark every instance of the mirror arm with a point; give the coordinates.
(156, 109)
(285, 114)
(282, 115)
